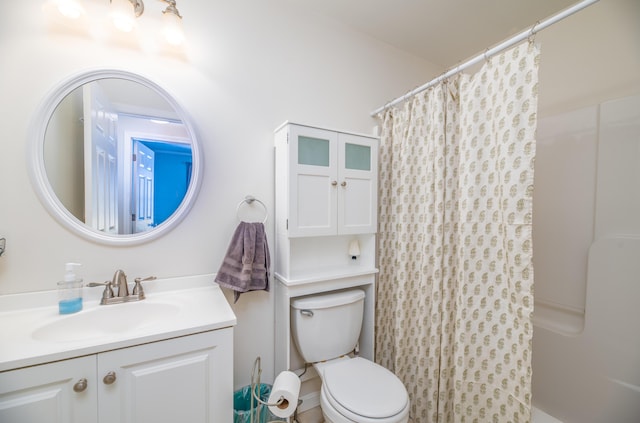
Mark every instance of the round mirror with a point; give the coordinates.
(114, 157)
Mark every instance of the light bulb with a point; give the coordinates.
(173, 28)
(122, 15)
(71, 9)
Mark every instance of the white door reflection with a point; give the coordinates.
(143, 186)
(157, 158)
(101, 163)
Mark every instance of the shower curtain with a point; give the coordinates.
(455, 289)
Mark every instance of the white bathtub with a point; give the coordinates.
(539, 416)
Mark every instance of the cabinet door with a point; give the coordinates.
(188, 379)
(358, 184)
(313, 180)
(46, 393)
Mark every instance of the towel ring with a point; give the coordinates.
(249, 199)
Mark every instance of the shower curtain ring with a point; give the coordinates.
(532, 32)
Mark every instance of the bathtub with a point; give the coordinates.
(539, 416)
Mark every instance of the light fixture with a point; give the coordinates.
(172, 24)
(71, 9)
(123, 15)
(124, 12)
(159, 121)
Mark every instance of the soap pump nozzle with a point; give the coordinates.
(69, 272)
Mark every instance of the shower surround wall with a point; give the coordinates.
(586, 348)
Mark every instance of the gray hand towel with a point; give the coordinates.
(247, 262)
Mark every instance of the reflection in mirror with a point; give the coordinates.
(116, 160)
(117, 156)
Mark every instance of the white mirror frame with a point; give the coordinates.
(45, 192)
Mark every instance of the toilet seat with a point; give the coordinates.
(363, 391)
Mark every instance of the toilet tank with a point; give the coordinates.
(326, 326)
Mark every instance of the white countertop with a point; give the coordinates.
(199, 304)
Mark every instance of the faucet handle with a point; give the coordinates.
(137, 288)
(148, 278)
(94, 284)
(108, 291)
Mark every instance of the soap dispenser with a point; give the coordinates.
(70, 291)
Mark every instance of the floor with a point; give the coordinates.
(311, 416)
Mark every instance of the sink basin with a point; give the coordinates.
(105, 320)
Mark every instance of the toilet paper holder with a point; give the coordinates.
(281, 403)
(256, 382)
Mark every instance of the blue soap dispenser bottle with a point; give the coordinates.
(70, 291)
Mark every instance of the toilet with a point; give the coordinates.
(325, 329)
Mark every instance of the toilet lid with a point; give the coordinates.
(365, 388)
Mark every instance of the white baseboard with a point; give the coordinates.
(309, 401)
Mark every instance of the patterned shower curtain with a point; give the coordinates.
(455, 290)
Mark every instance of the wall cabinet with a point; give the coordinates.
(181, 379)
(330, 181)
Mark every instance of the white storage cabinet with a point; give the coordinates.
(326, 200)
(330, 178)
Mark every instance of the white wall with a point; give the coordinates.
(590, 57)
(586, 352)
(248, 66)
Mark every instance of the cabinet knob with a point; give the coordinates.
(334, 183)
(80, 385)
(343, 184)
(109, 378)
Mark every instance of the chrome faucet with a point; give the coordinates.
(120, 281)
(122, 294)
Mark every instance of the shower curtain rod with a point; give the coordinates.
(539, 26)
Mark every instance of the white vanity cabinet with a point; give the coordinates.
(189, 379)
(59, 392)
(329, 181)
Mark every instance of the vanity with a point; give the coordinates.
(165, 359)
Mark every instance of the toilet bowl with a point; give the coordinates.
(358, 390)
(326, 328)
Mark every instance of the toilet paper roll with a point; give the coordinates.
(286, 386)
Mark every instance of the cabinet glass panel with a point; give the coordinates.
(357, 157)
(313, 151)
